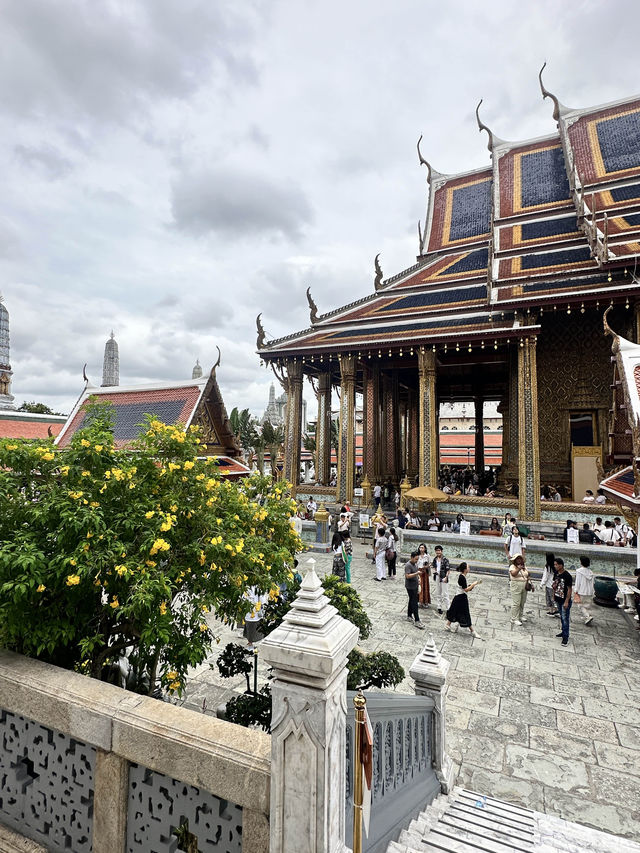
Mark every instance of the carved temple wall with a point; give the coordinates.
(574, 374)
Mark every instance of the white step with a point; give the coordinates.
(467, 822)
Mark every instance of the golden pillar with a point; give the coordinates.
(427, 419)
(371, 422)
(528, 443)
(293, 424)
(323, 429)
(479, 448)
(414, 432)
(347, 439)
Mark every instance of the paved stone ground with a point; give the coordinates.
(554, 729)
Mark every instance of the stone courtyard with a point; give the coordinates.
(554, 729)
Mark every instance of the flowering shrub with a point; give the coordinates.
(105, 549)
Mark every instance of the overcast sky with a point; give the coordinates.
(173, 167)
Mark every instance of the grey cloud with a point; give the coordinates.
(46, 159)
(108, 59)
(237, 203)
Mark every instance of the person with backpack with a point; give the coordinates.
(391, 553)
(514, 545)
(339, 554)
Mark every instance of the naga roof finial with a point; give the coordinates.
(615, 346)
(377, 281)
(482, 126)
(424, 162)
(547, 94)
(261, 333)
(217, 364)
(313, 308)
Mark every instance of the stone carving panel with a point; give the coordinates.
(46, 784)
(158, 806)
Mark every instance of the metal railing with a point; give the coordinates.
(404, 781)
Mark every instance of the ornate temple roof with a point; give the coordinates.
(553, 220)
(14, 424)
(195, 401)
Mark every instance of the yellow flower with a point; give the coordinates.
(203, 627)
(98, 447)
(103, 488)
(121, 570)
(107, 475)
(86, 473)
(41, 588)
(85, 443)
(173, 466)
(204, 608)
(132, 485)
(115, 603)
(201, 558)
(73, 562)
(48, 456)
(64, 470)
(199, 476)
(173, 508)
(188, 465)
(150, 563)
(149, 514)
(159, 545)
(12, 446)
(228, 547)
(73, 580)
(163, 608)
(95, 504)
(89, 535)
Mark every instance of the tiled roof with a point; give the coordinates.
(620, 487)
(14, 428)
(171, 405)
(231, 468)
(461, 211)
(606, 142)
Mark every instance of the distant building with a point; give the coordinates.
(6, 398)
(111, 364)
(275, 412)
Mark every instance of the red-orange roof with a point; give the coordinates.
(15, 428)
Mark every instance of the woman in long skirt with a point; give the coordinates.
(458, 613)
(424, 562)
(379, 553)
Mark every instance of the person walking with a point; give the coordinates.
(379, 550)
(440, 566)
(548, 574)
(348, 550)
(583, 594)
(562, 591)
(377, 493)
(391, 553)
(458, 613)
(518, 580)
(339, 554)
(424, 561)
(411, 575)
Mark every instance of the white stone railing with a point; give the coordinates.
(78, 752)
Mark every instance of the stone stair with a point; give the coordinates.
(465, 822)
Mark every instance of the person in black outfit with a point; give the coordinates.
(411, 575)
(562, 593)
(458, 612)
(586, 535)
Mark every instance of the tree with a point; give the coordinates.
(245, 429)
(273, 439)
(104, 550)
(37, 408)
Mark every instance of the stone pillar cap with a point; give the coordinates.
(429, 667)
(312, 643)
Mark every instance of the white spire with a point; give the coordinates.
(111, 363)
(196, 373)
(6, 399)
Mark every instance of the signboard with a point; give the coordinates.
(358, 493)
(365, 521)
(465, 527)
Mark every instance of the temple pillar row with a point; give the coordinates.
(293, 424)
(528, 444)
(323, 429)
(347, 438)
(427, 419)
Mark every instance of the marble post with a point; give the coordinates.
(429, 672)
(308, 653)
(479, 448)
(323, 429)
(293, 426)
(528, 442)
(427, 419)
(347, 440)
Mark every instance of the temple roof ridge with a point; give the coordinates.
(578, 112)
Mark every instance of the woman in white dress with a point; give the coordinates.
(583, 590)
(379, 550)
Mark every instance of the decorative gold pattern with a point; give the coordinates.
(293, 424)
(347, 441)
(323, 429)
(428, 418)
(370, 432)
(528, 447)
